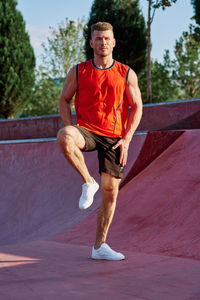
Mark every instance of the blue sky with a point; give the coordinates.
(167, 26)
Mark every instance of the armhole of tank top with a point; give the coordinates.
(127, 74)
(85, 65)
(77, 70)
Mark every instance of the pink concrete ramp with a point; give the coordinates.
(191, 122)
(155, 143)
(40, 190)
(158, 211)
(46, 241)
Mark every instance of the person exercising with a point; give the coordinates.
(104, 90)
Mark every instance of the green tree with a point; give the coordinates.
(64, 49)
(153, 5)
(129, 30)
(186, 65)
(17, 61)
(176, 78)
(43, 100)
(196, 6)
(164, 88)
(196, 17)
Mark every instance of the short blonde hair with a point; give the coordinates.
(101, 26)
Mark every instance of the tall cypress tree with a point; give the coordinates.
(129, 30)
(196, 6)
(196, 17)
(17, 60)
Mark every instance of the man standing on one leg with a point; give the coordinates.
(104, 91)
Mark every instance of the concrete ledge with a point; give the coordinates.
(155, 116)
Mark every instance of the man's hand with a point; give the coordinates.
(123, 144)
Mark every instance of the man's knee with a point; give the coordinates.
(107, 187)
(109, 184)
(65, 136)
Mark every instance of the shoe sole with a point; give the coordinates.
(106, 258)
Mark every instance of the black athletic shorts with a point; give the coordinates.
(108, 157)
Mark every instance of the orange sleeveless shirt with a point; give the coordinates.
(101, 103)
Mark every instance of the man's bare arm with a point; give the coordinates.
(67, 94)
(135, 101)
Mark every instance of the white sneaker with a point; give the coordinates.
(87, 196)
(105, 252)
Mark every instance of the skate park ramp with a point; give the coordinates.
(40, 190)
(45, 240)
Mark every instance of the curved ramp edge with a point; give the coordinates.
(155, 143)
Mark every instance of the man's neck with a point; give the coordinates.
(103, 62)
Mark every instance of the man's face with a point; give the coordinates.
(102, 42)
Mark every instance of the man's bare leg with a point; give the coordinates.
(71, 143)
(101, 250)
(109, 189)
